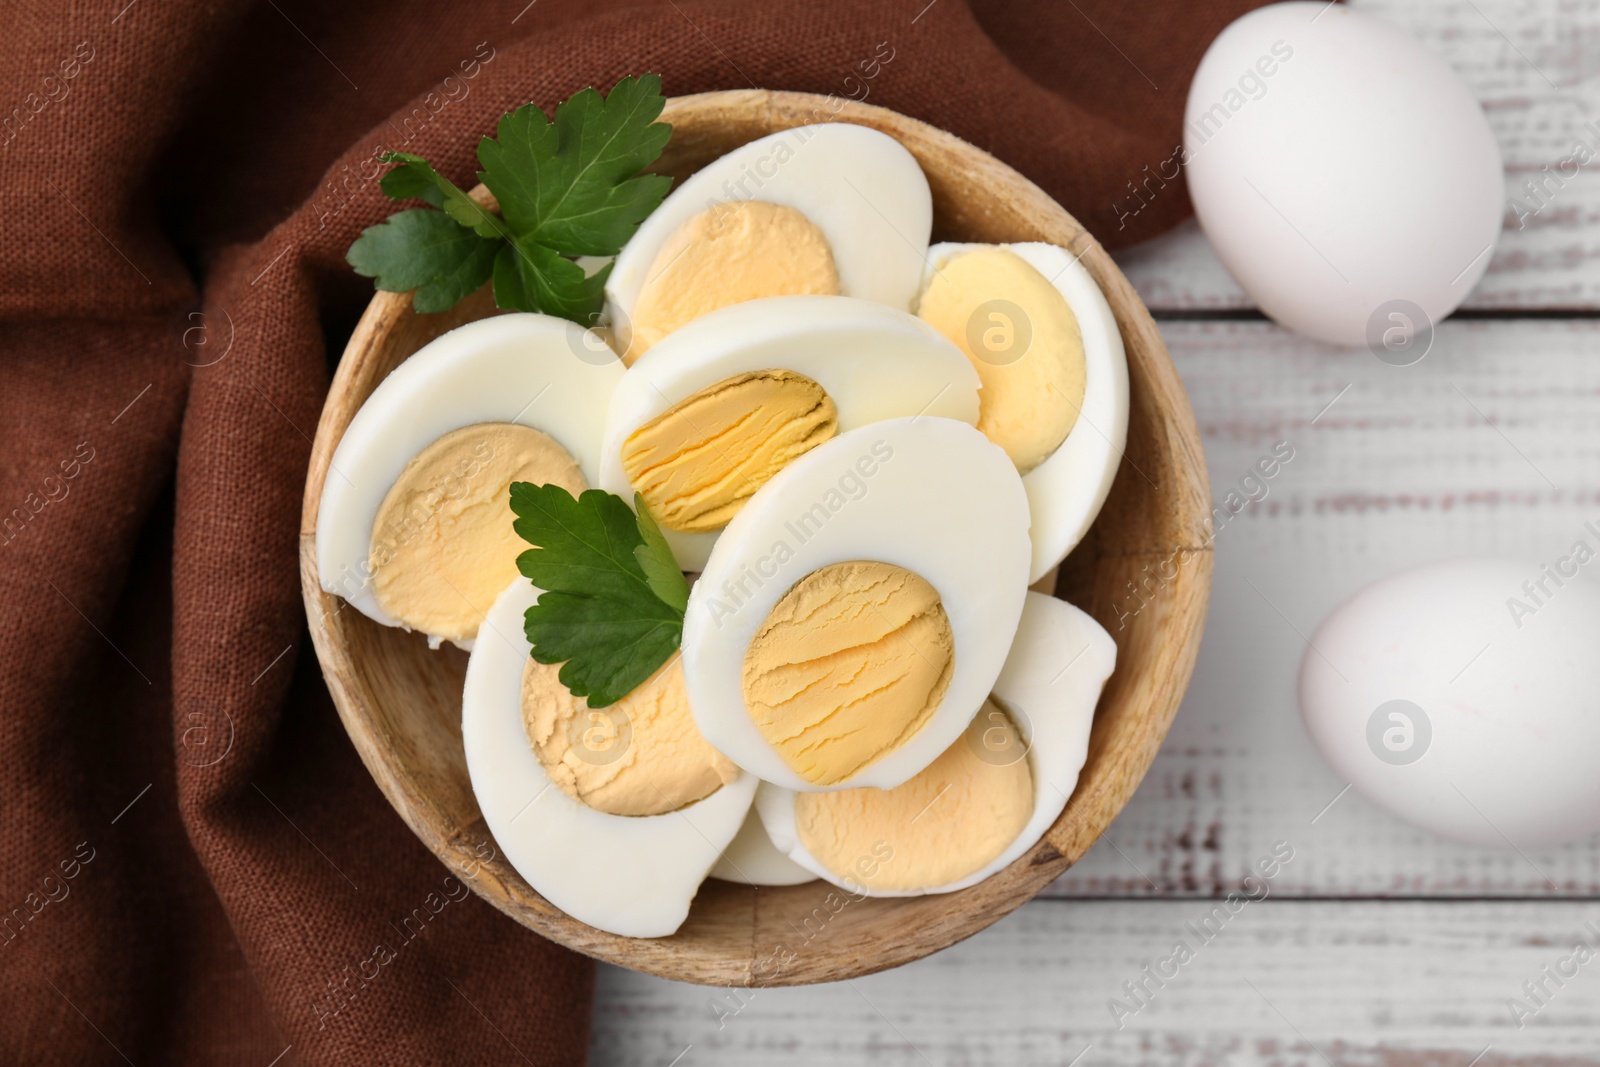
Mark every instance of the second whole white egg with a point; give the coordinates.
(1342, 172)
(1461, 697)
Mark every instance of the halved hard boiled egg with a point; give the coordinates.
(1055, 377)
(988, 798)
(826, 210)
(615, 815)
(752, 859)
(413, 528)
(858, 608)
(709, 415)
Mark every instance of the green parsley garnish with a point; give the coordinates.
(572, 187)
(612, 601)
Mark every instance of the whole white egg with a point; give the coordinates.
(1460, 697)
(1343, 173)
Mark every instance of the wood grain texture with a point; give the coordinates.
(1358, 984)
(1400, 469)
(401, 703)
(1535, 67)
(1489, 446)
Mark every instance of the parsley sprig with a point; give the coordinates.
(612, 601)
(572, 187)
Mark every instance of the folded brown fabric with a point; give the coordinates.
(194, 865)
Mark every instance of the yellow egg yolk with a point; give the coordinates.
(851, 663)
(640, 756)
(725, 255)
(951, 820)
(696, 463)
(1022, 338)
(442, 545)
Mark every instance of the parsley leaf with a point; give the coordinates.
(415, 177)
(406, 183)
(530, 277)
(426, 251)
(569, 185)
(656, 560)
(566, 188)
(598, 613)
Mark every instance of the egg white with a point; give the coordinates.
(874, 361)
(752, 859)
(630, 875)
(1066, 491)
(861, 188)
(946, 504)
(519, 368)
(1051, 683)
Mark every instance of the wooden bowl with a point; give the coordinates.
(1144, 571)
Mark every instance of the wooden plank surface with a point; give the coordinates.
(1277, 983)
(1489, 446)
(1535, 67)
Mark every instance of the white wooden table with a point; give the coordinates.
(1378, 943)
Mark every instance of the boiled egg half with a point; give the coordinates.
(988, 798)
(708, 416)
(413, 528)
(858, 608)
(615, 815)
(1046, 346)
(827, 210)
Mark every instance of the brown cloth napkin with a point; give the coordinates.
(194, 865)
